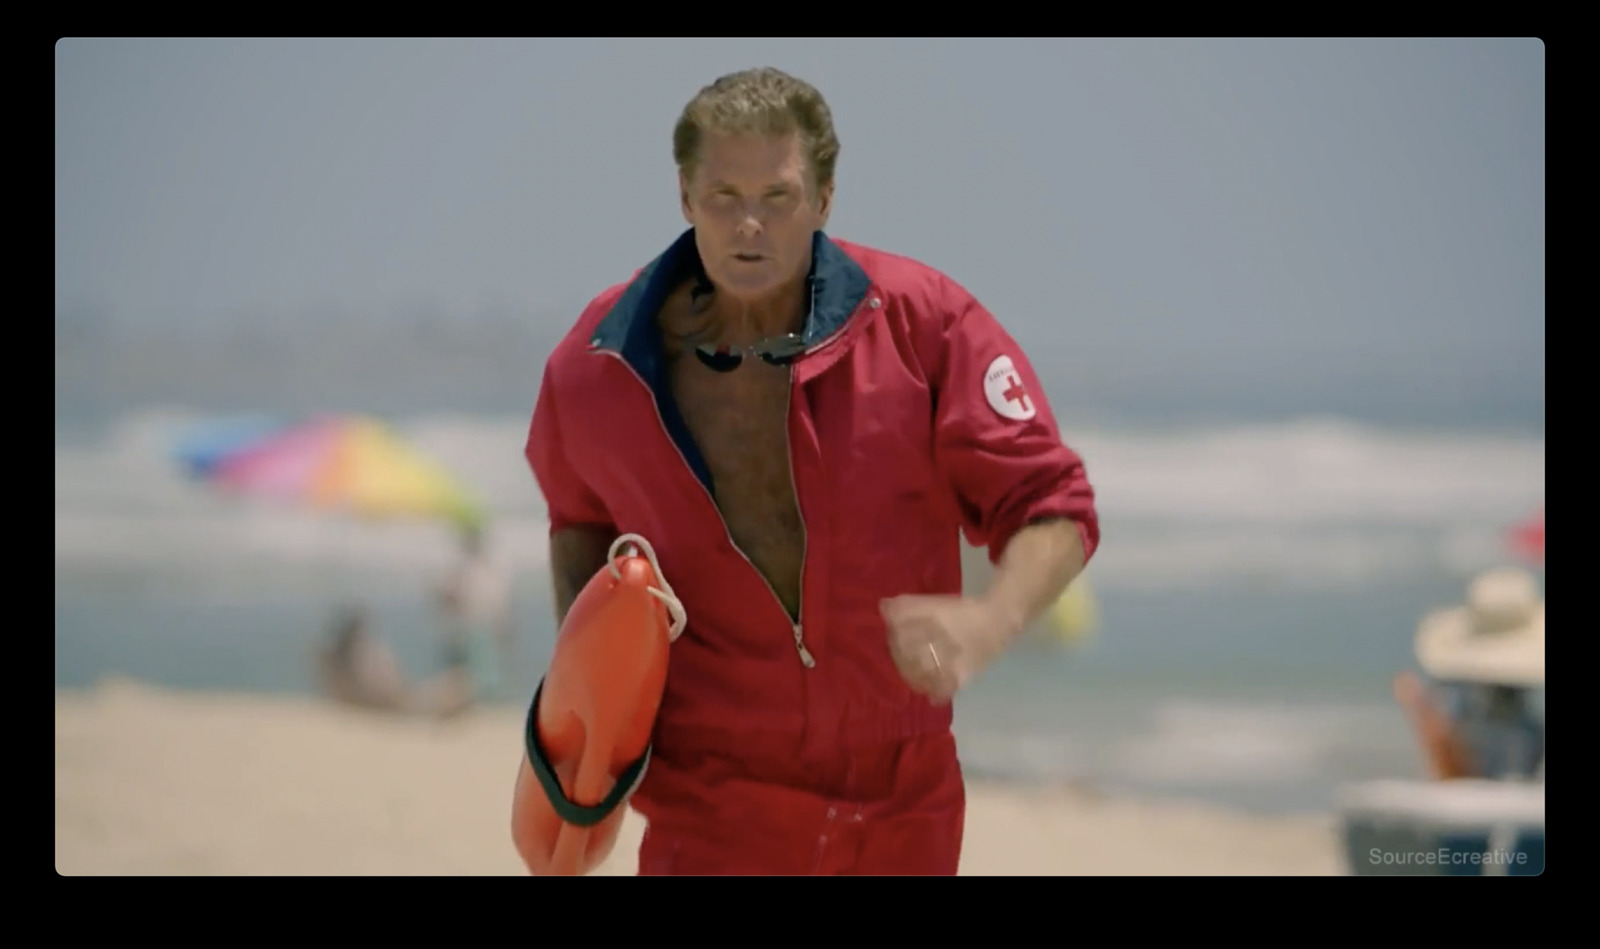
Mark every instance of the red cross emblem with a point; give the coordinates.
(1005, 392)
(1016, 393)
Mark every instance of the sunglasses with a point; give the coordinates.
(774, 351)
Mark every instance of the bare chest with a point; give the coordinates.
(739, 421)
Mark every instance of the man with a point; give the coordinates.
(801, 427)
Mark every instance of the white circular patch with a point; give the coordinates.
(1003, 387)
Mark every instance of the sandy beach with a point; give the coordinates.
(154, 782)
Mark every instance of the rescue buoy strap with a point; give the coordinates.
(568, 810)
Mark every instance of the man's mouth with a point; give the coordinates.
(747, 258)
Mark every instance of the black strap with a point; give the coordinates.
(568, 810)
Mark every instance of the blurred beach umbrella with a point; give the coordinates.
(200, 447)
(343, 463)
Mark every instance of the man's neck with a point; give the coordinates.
(746, 321)
(741, 322)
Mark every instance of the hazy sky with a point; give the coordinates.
(1276, 215)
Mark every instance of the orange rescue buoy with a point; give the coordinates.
(587, 738)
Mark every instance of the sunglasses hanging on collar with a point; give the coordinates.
(774, 350)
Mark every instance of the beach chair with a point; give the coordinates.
(1466, 827)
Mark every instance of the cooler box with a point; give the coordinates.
(1443, 828)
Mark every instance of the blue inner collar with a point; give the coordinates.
(838, 285)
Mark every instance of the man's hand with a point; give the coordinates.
(941, 643)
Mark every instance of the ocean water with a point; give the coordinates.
(1258, 588)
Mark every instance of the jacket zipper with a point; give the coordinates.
(798, 628)
(806, 659)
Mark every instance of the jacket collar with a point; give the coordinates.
(838, 286)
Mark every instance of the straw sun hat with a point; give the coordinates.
(1496, 637)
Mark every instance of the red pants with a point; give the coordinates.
(897, 809)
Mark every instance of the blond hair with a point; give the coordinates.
(764, 102)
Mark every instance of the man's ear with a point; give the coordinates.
(683, 198)
(825, 203)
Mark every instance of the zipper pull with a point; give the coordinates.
(806, 658)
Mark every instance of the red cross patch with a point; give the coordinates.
(1004, 388)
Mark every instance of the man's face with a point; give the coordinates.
(754, 210)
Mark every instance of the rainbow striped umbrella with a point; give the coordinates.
(343, 463)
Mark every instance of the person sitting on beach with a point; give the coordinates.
(358, 669)
(1486, 659)
(355, 668)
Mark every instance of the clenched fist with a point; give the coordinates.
(941, 643)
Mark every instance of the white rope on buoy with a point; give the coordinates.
(680, 618)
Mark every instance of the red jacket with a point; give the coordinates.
(913, 415)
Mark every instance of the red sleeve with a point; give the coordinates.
(996, 437)
(569, 500)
